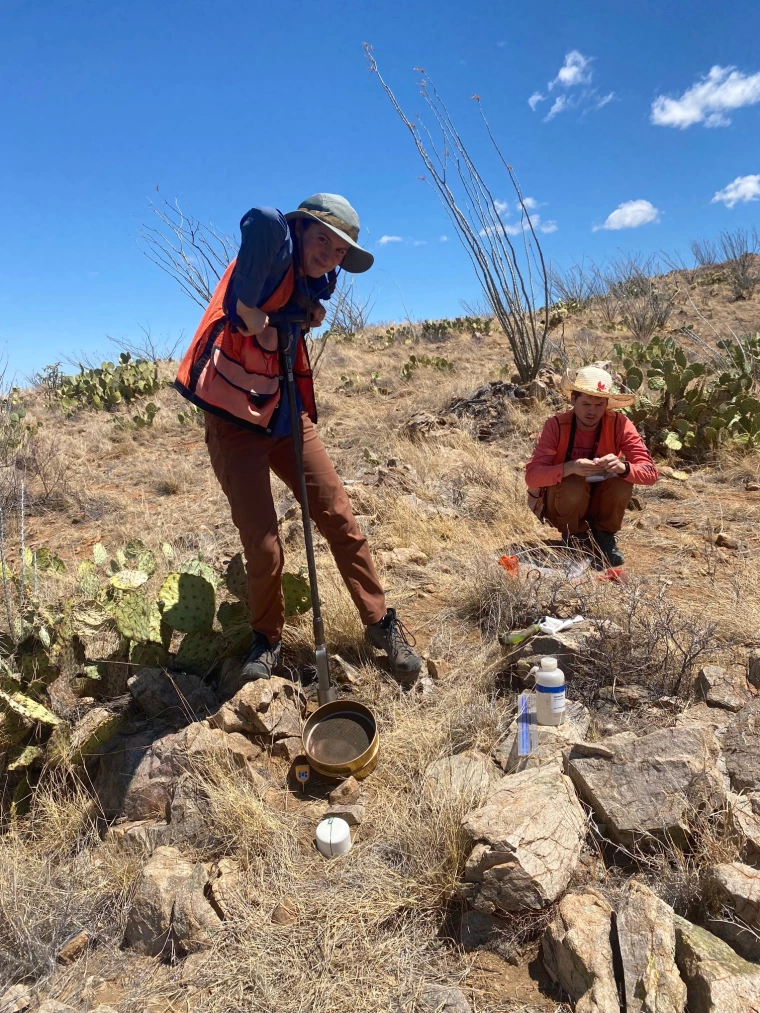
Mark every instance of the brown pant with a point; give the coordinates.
(241, 461)
(575, 503)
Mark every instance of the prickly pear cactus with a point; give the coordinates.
(234, 617)
(236, 578)
(198, 652)
(132, 615)
(87, 575)
(140, 556)
(99, 555)
(187, 603)
(88, 618)
(297, 594)
(149, 655)
(200, 569)
(26, 756)
(27, 708)
(125, 580)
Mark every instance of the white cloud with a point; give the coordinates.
(742, 190)
(574, 78)
(561, 102)
(630, 215)
(721, 91)
(502, 207)
(419, 242)
(530, 203)
(516, 228)
(384, 240)
(443, 239)
(574, 71)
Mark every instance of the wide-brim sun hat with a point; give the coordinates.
(598, 383)
(337, 214)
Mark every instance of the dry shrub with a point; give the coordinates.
(57, 879)
(642, 635)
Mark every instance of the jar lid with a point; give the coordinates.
(548, 664)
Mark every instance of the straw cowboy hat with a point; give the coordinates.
(337, 214)
(598, 383)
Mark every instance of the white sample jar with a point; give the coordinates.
(550, 693)
(333, 837)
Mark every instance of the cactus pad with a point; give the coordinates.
(168, 551)
(297, 594)
(149, 655)
(199, 569)
(99, 555)
(88, 618)
(198, 652)
(234, 618)
(132, 616)
(27, 757)
(125, 580)
(236, 578)
(27, 708)
(187, 603)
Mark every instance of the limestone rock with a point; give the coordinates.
(142, 835)
(651, 783)
(577, 952)
(400, 557)
(466, 776)
(437, 668)
(625, 696)
(342, 672)
(352, 814)
(721, 689)
(552, 740)
(73, 948)
(717, 979)
(53, 1006)
(127, 782)
(527, 841)
(170, 908)
(290, 748)
(15, 999)
(744, 812)
(444, 999)
(176, 697)
(194, 920)
(646, 934)
(741, 748)
(702, 714)
(732, 892)
(286, 912)
(346, 793)
(271, 707)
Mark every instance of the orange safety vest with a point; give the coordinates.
(608, 439)
(240, 377)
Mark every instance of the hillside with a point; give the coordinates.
(435, 477)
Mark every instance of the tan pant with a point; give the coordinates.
(575, 503)
(241, 461)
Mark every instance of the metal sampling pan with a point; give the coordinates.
(341, 739)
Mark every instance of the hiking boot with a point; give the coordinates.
(260, 663)
(607, 546)
(391, 636)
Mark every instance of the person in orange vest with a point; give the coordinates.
(233, 370)
(585, 464)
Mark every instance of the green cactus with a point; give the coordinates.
(140, 555)
(26, 708)
(168, 551)
(187, 602)
(198, 652)
(27, 756)
(200, 569)
(148, 655)
(297, 594)
(99, 555)
(88, 618)
(236, 579)
(125, 580)
(132, 615)
(87, 575)
(235, 619)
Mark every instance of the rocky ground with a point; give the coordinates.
(616, 868)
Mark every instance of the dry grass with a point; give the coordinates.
(374, 927)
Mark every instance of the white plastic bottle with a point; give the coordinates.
(550, 693)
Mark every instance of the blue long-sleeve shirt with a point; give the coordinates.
(266, 253)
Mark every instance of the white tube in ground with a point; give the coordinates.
(333, 837)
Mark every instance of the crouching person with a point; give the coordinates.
(586, 462)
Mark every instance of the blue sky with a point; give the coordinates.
(611, 113)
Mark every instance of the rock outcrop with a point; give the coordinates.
(527, 840)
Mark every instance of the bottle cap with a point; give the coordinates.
(548, 664)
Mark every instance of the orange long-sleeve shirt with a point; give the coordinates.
(541, 471)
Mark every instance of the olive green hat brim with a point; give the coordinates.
(356, 260)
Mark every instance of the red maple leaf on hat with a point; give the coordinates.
(601, 385)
